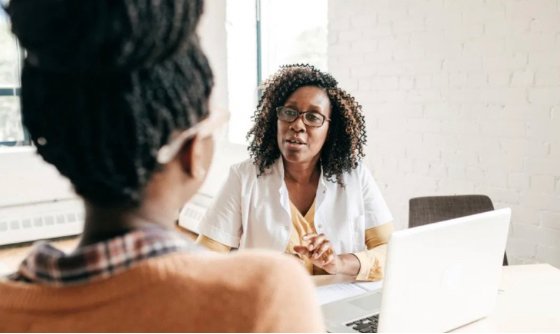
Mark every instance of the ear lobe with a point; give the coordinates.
(191, 160)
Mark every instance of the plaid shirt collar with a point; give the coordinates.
(50, 266)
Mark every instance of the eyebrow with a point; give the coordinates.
(314, 108)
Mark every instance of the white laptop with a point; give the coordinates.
(437, 277)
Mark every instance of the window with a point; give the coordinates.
(293, 31)
(11, 129)
(262, 35)
(241, 66)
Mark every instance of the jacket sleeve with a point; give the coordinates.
(375, 208)
(223, 222)
(378, 227)
(372, 260)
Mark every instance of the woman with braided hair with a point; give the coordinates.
(115, 96)
(304, 190)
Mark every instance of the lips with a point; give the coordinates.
(295, 141)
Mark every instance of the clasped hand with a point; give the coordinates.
(318, 249)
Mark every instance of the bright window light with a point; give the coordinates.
(291, 31)
(11, 130)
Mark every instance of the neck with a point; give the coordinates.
(302, 172)
(105, 223)
(102, 224)
(162, 198)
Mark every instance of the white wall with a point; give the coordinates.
(460, 97)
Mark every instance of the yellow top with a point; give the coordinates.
(302, 225)
(371, 260)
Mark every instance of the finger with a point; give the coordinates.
(327, 259)
(302, 250)
(308, 238)
(315, 241)
(322, 250)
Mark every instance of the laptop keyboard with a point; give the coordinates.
(365, 325)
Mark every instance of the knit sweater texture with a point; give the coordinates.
(246, 291)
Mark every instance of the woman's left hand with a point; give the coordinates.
(318, 249)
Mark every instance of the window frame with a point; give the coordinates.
(259, 52)
(15, 91)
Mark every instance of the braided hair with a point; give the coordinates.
(104, 85)
(344, 146)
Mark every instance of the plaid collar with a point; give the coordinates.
(50, 266)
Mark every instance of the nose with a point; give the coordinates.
(297, 125)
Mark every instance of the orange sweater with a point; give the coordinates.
(241, 292)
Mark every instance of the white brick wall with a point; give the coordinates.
(460, 97)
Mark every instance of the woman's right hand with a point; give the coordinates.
(318, 249)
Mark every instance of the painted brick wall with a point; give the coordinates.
(460, 97)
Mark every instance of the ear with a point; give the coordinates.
(190, 157)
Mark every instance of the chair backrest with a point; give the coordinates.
(431, 209)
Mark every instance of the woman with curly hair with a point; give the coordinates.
(304, 190)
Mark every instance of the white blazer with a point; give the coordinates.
(254, 212)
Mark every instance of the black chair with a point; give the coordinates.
(427, 210)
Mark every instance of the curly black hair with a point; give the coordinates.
(104, 85)
(346, 138)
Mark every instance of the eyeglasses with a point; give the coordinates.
(310, 118)
(203, 129)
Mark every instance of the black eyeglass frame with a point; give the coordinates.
(302, 113)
